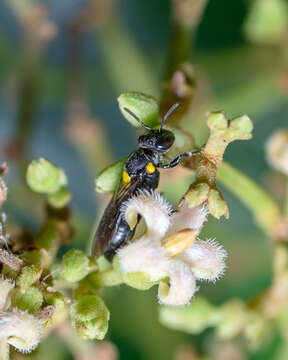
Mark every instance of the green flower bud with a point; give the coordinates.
(60, 198)
(108, 178)
(192, 319)
(90, 317)
(28, 276)
(75, 265)
(31, 300)
(231, 319)
(43, 177)
(197, 194)
(256, 330)
(217, 205)
(267, 21)
(145, 107)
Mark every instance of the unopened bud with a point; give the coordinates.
(90, 317)
(28, 276)
(108, 178)
(43, 177)
(31, 300)
(75, 265)
(145, 107)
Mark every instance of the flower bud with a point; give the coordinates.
(217, 205)
(145, 107)
(256, 330)
(21, 330)
(75, 265)
(43, 177)
(90, 317)
(197, 194)
(277, 150)
(192, 319)
(108, 178)
(231, 319)
(267, 21)
(28, 276)
(31, 300)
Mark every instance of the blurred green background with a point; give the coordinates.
(60, 79)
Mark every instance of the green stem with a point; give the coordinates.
(181, 40)
(106, 278)
(265, 209)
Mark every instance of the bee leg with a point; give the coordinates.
(177, 160)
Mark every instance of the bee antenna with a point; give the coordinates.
(137, 118)
(169, 112)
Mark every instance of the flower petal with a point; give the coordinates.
(153, 208)
(189, 218)
(20, 329)
(206, 258)
(144, 255)
(182, 285)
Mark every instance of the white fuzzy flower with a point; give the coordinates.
(20, 329)
(169, 248)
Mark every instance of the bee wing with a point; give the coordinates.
(112, 215)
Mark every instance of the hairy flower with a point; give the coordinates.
(169, 249)
(20, 329)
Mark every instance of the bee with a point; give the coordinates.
(140, 173)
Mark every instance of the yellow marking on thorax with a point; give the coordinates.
(150, 168)
(125, 178)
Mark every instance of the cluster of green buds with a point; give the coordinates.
(222, 132)
(29, 301)
(230, 320)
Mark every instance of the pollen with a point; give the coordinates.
(150, 168)
(125, 178)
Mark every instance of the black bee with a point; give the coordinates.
(140, 173)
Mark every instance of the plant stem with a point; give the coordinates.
(265, 209)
